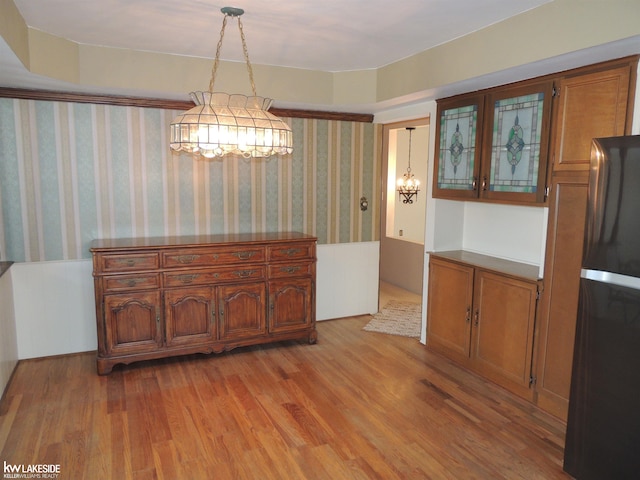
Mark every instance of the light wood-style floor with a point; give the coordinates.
(357, 405)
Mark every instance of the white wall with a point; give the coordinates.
(8, 337)
(347, 279)
(55, 310)
(508, 231)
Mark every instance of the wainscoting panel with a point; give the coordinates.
(8, 337)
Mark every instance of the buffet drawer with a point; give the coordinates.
(119, 283)
(299, 269)
(128, 262)
(207, 277)
(296, 251)
(211, 257)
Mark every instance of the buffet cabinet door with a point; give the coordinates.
(132, 322)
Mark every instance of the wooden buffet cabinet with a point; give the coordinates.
(481, 314)
(168, 296)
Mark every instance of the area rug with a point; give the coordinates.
(397, 318)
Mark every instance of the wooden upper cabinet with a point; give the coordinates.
(493, 145)
(516, 143)
(590, 105)
(502, 144)
(459, 134)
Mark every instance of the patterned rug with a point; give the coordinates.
(397, 318)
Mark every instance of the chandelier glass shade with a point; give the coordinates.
(408, 185)
(221, 124)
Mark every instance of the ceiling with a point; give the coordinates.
(327, 35)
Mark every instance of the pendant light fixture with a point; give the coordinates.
(222, 124)
(408, 186)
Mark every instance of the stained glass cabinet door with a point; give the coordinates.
(458, 133)
(516, 142)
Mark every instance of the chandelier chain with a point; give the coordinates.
(246, 57)
(409, 164)
(214, 70)
(245, 50)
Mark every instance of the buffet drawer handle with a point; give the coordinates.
(187, 278)
(245, 255)
(129, 262)
(244, 273)
(290, 252)
(131, 282)
(186, 259)
(289, 269)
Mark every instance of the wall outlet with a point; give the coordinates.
(400, 233)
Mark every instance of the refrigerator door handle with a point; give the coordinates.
(611, 277)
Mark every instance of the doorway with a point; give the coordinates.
(402, 226)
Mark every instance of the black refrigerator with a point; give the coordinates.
(603, 426)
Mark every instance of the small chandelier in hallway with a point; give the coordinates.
(222, 124)
(408, 186)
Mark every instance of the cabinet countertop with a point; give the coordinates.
(487, 262)
(191, 240)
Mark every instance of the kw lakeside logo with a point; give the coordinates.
(39, 470)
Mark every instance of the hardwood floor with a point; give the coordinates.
(357, 405)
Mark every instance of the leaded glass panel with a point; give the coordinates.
(458, 128)
(516, 143)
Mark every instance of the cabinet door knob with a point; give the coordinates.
(476, 317)
(468, 316)
(474, 183)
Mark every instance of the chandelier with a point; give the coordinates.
(408, 186)
(222, 124)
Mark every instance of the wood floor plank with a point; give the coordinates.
(357, 405)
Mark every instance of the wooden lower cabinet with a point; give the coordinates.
(290, 304)
(161, 297)
(450, 307)
(559, 306)
(242, 311)
(481, 313)
(189, 315)
(131, 323)
(503, 325)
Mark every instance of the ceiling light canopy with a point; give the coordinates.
(221, 124)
